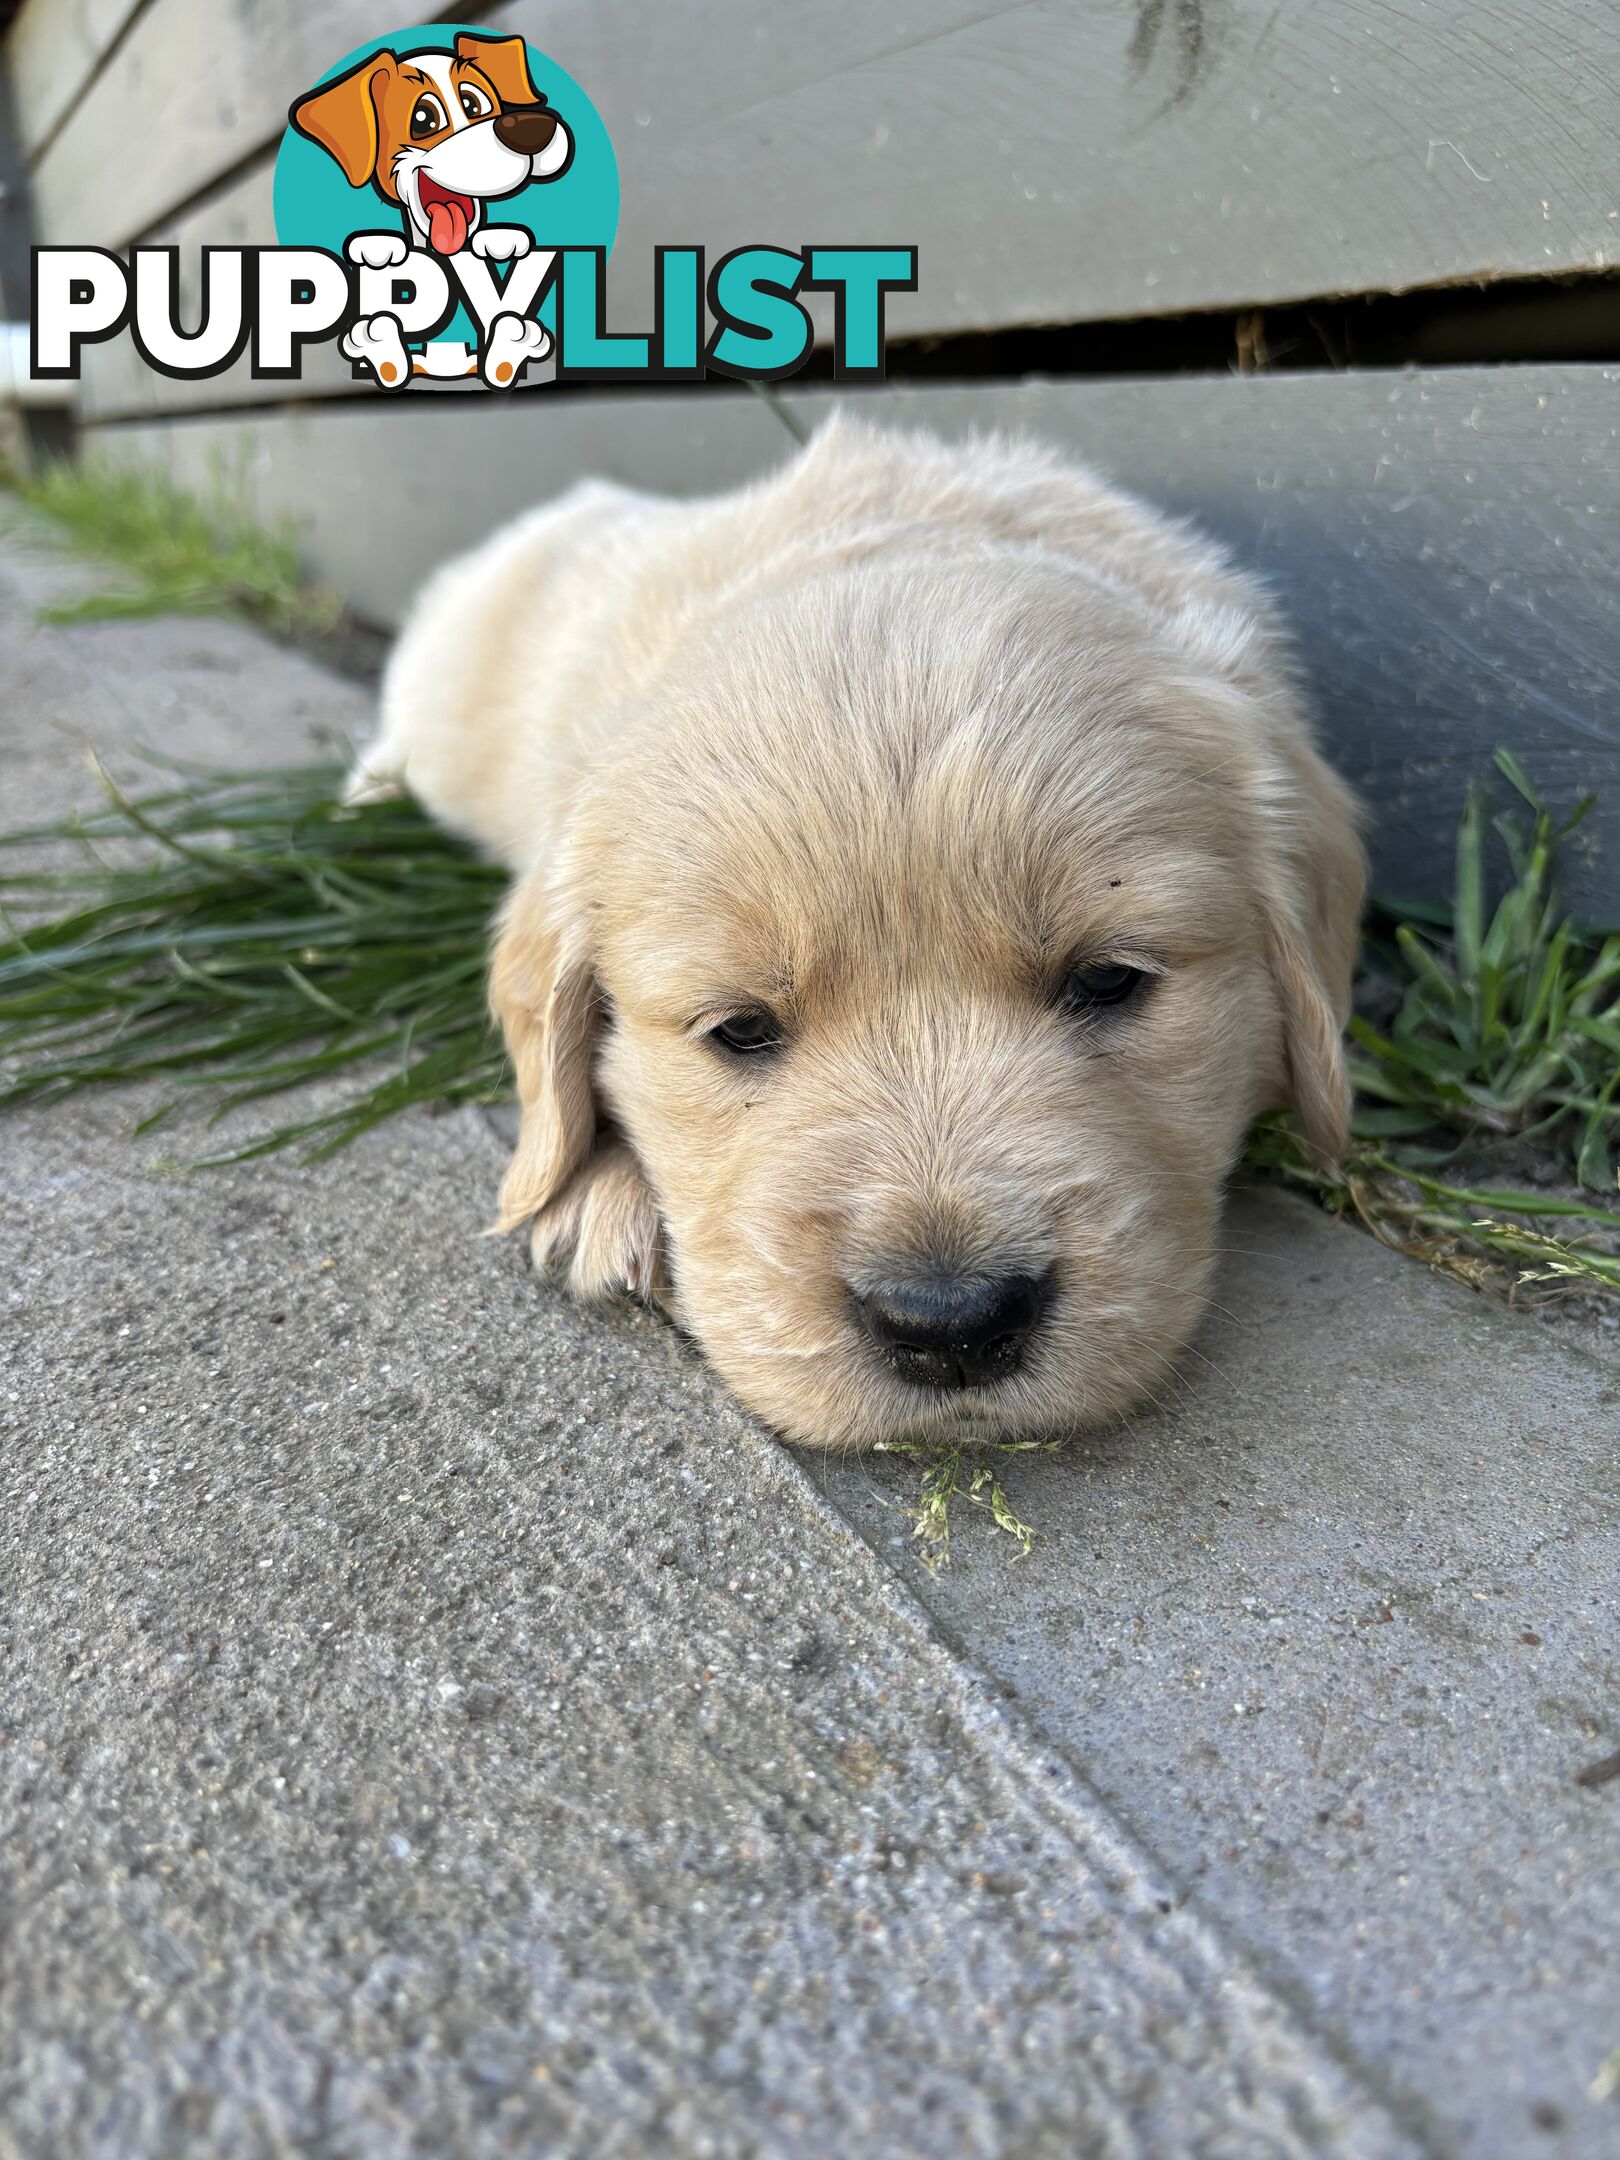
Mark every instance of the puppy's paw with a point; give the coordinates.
(602, 1237)
(377, 250)
(502, 243)
(372, 784)
(375, 343)
(513, 343)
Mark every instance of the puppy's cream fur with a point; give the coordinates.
(886, 743)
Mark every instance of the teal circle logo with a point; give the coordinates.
(472, 150)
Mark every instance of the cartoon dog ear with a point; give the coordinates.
(505, 60)
(543, 992)
(342, 116)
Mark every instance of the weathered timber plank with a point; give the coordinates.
(195, 89)
(1053, 163)
(1062, 163)
(1444, 544)
(115, 381)
(53, 48)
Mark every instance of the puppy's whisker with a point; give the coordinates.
(751, 1346)
(1186, 1393)
(770, 1344)
(1238, 1320)
(866, 1196)
(1157, 1401)
(1217, 1371)
(1150, 1282)
(757, 1245)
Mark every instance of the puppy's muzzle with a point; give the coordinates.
(953, 1331)
(526, 129)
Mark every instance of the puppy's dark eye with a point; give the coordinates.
(748, 1034)
(427, 117)
(1103, 986)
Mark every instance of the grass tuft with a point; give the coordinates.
(1504, 1039)
(1457, 1229)
(259, 934)
(176, 552)
(963, 1471)
(266, 935)
(1505, 1027)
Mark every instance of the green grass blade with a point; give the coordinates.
(1468, 917)
(1513, 772)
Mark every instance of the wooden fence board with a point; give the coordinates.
(1444, 543)
(195, 89)
(116, 382)
(52, 50)
(1060, 163)
(1054, 163)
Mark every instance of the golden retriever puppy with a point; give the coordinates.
(922, 877)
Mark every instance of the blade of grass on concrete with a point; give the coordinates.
(172, 551)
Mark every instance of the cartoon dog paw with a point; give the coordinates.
(375, 343)
(513, 343)
(502, 243)
(377, 250)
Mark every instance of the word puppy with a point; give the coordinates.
(922, 876)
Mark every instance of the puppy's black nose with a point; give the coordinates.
(953, 1331)
(525, 128)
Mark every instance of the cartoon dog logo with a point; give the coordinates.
(439, 135)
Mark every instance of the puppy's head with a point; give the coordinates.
(439, 132)
(932, 938)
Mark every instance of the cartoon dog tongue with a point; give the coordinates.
(447, 225)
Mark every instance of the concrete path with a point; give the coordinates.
(435, 1721)
(1335, 1634)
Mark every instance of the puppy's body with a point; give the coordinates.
(981, 793)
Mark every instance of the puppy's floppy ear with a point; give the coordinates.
(505, 60)
(1311, 873)
(1312, 890)
(342, 116)
(543, 992)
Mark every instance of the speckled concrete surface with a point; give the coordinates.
(433, 1720)
(437, 1721)
(1336, 1632)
